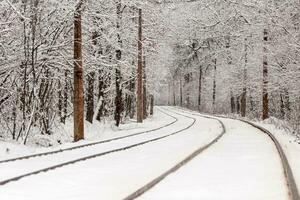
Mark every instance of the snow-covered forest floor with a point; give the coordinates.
(98, 131)
(242, 164)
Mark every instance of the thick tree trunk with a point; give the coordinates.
(265, 103)
(78, 77)
(140, 72)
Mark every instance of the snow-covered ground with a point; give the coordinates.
(95, 132)
(115, 176)
(243, 164)
(291, 147)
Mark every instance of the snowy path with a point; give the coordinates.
(20, 167)
(158, 121)
(244, 164)
(112, 176)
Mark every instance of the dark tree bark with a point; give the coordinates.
(265, 98)
(200, 88)
(90, 104)
(232, 103)
(238, 105)
(181, 93)
(174, 93)
(101, 99)
(78, 76)
(151, 105)
(118, 98)
(60, 100)
(244, 94)
(65, 99)
(140, 72)
(145, 112)
(214, 83)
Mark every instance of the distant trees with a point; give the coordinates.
(247, 57)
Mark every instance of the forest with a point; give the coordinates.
(64, 62)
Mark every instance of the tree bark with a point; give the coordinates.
(78, 76)
(244, 94)
(181, 93)
(140, 72)
(151, 105)
(265, 103)
(232, 103)
(118, 98)
(145, 113)
(90, 104)
(214, 83)
(200, 88)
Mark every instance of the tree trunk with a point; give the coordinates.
(118, 98)
(78, 76)
(151, 104)
(265, 103)
(90, 104)
(214, 83)
(174, 94)
(200, 88)
(181, 93)
(238, 105)
(244, 94)
(145, 113)
(140, 72)
(232, 103)
(101, 101)
(65, 99)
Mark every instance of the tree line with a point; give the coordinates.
(72, 59)
(239, 57)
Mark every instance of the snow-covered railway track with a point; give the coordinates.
(288, 173)
(99, 154)
(176, 167)
(175, 119)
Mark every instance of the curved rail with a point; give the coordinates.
(4, 182)
(90, 144)
(176, 167)
(288, 173)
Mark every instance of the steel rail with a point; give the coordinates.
(287, 171)
(4, 182)
(90, 144)
(179, 165)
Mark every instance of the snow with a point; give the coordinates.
(94, 132)
(113, 176)
(244, 165)
(291, 147)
